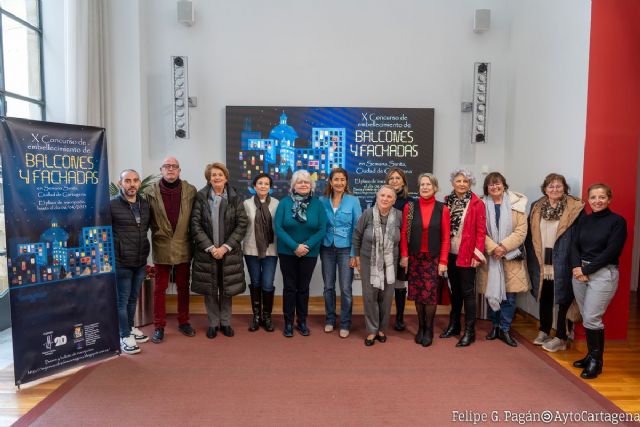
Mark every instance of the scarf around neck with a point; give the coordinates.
(456, 207)
(300, 205)
(382, 262)
(498, 231)
(550, 213)
(263, 225)
(217, 226)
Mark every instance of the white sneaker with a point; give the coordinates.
(541, 338)
(328, 328)
(139, 335)
(554, 345)
(128, 345)
(344, 333)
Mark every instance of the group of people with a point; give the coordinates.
(403, 248)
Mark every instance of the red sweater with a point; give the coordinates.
(426, 209)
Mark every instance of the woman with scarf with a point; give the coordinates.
(552, 223)
(468, 231)
(375, 242)
(218, 224)
(260, 251)
(424, 248)
(397, 179)
(300, 225)
(596, 247)
(505, 273)
(343, 210)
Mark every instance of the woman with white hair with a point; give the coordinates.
(376, 241)
(468, 232)
(300, 223)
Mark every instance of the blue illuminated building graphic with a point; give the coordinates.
(279, 154)
(51, 259)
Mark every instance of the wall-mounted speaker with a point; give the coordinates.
(482, 20)
(480, 109)
(186, 13)
(180, 97)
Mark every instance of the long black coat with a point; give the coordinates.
(204, 273)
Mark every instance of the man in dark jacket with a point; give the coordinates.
(171, 200)
(130, 222)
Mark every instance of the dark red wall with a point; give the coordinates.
(613, 127)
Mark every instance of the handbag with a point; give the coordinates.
(573, 313)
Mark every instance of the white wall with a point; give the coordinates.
(375, 53)
(547, 98)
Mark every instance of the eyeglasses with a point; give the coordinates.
(495, 184)
(170, 167)
(555, 187)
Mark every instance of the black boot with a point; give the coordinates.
(454, 327)
(430, 315)
(401, 296)
(593, 368)
(256, 296)
(267, 307)
(469, 335)
(493, 334)
(420, 309)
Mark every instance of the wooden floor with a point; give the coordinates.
(620, 383)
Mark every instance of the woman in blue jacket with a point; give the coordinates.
(343, 210)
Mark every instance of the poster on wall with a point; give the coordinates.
(59, 246)
(364, 141)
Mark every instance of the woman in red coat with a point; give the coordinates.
(468, 231)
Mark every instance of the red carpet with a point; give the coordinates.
(263, 378)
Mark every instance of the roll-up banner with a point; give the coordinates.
(364, 141)
(59, 246)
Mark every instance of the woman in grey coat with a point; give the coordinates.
(218, 225)
(376, 243)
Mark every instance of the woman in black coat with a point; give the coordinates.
(218, 225)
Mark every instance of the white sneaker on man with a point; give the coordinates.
(541, 338)
(138, 335)
(555, 344)
(128, 345)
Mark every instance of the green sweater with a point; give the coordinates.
(291, 233)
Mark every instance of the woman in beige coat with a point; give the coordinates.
(505, 273)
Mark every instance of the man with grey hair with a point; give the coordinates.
(130, 223)
(171, 200)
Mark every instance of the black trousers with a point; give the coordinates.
(546, 311)
(296, 277)
(463, 291)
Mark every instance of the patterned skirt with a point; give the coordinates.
(423, 278)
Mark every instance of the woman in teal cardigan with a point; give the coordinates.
(300, 225)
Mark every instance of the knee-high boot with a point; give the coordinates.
(595, 343)
(420, 309)
(430, 314)
(256, 297)
(267, 308)
(453, 328)
(400, 297)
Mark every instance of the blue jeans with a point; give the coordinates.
(337, 258)
(504, 316)
(261, 271)
(128, 282)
